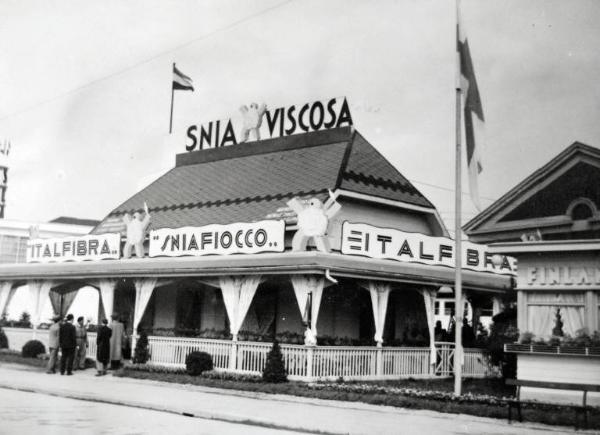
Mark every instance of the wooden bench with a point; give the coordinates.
(579, 409)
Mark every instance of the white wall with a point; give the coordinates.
(559, 368)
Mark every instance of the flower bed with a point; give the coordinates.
(486, 398)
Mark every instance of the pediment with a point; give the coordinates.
(562, 197)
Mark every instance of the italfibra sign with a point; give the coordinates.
(257, 122)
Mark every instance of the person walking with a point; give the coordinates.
(53, 333)
(103, 348)
(68, 342)
(82, 344)
(116, 342)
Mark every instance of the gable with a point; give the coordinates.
(581, 181)
(560, 200)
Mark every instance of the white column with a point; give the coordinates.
(303, 286)
(106, 287)
(429, 295)
(380, 293)
(238, 292)
(39, 293)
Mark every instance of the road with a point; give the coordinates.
(31, 413)
(60, 403)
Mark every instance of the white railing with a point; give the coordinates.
(346, 362)
(92, 347)
(406, 362)
(251, 356)
(477, 364)
(295, 358)
(444, 364)
(172, 351)
(301, 362)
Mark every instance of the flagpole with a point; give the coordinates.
(458, 309)
(172, 98)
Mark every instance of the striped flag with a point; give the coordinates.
(473, 113)
(181, 81)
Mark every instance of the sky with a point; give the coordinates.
(85, 87)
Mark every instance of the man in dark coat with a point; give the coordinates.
(103, 347)
(68, 342)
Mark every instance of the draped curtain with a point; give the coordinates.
(496, 305)
(38, 292)
(303, 285)
(429, 296)
(7, 291)
(66, 298)
(380, 294)
(106, 287)
(541, 312)
(143, 291)
(238, 292)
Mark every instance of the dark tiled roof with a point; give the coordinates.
(248, 182)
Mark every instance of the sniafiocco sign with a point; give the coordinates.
(216, 239)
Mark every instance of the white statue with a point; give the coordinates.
(136, 231)
(310, 339)
(252, 120)
(313, 220)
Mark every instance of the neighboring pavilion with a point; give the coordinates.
(551, 223)
(338, 297)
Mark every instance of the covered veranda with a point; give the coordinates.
(239, 279)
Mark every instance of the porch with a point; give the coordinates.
(307, 363)
(368, 302)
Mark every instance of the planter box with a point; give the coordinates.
(557, 364)
(554, 350)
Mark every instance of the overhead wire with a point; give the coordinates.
(143, 62)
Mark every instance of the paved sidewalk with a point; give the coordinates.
(276, 411)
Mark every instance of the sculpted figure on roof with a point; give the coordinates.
(313, 220)
(136, 231)
(252, 120)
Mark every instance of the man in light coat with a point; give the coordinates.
(82, 344)
(116, 342)
(53, 345)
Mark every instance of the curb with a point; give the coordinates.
(201, 415)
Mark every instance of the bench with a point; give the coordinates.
(579, 409)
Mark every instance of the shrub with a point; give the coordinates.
(32, 349)
(526, 338)
(3, 340)
(24, 321)
(502, 331)
(274, 370)
(198, 362)
(142, 353)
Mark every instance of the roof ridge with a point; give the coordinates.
(265, 146)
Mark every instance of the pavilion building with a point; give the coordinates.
(315, 239)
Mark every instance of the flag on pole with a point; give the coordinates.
(473, 113)
(181, 82)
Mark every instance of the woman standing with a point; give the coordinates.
(103, 350)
